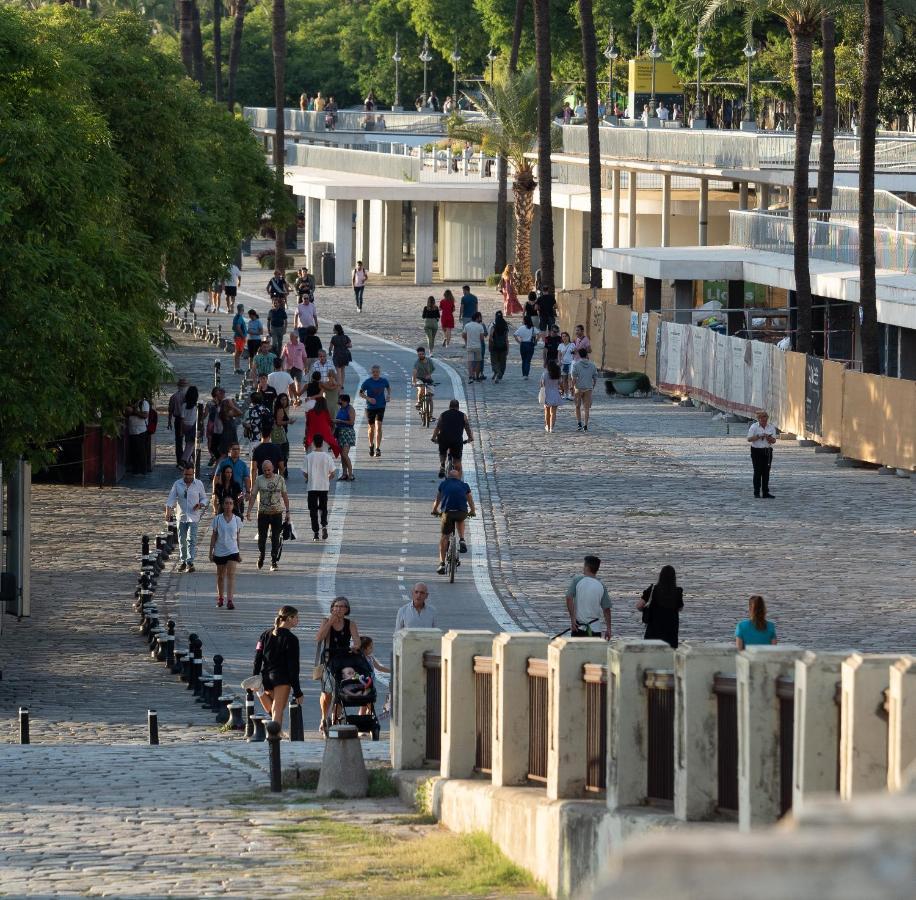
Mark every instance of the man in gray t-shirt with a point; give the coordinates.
(584, 378)
(588, 602)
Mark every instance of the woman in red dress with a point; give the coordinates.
(447, 317)
(318, 421)
(511, 306)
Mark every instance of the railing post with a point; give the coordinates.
(459, 648)
(759, 758)
(901, 721)
(567, 759)
(696, 782)
(863, 723)
(510, 708)
(408, 696)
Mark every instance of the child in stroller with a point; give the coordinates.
(354, 688)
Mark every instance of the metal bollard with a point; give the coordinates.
(217, 366)
(276, 773)
(173, 534)
(152, 721)
(235, 715)
(204, 692)
(296, 728)
(24, 737)
(259, 735)
(144, 546)
(157, 651)
(170, 643)
(193, 643)
(177, 662)
(217, 683)
(249, 713)
(222, 710)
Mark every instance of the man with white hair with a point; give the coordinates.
(418, 613)
(761, 436)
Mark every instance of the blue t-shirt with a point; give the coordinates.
(375, 388)
(750, 635)
(240, 470)
(255, 329)
(240, 326)
(454, 495)
(468, 306)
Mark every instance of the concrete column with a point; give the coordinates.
(683, 301)
(458, 700)
(566, 756)
(337, 227)
(627, 739)
(559, 231)
(757, 669)
(624, 289)
(863, 723)
(703, 218)
(385, 237)
(666, 210)
(312, 223)
(408, 696)
(696, 782)
(631, 210)
(511, 653)
(742, 195)
(653, 295)
(363, 219)
(901, 721)
(763, 196)
(376, 261)
(817, 726)
(615, 207)
(571, 276)
(423, 242)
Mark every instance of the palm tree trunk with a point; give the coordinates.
(543, 60)
(218, 50)
(523, 192)
(235, 50)
(872, 63)
(197, 45)
(804, 129)
(828, 115)
(590, 64)
(186, 35)
(279, 51)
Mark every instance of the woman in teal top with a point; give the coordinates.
(756, 629)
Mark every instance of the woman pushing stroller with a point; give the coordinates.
(340, 636)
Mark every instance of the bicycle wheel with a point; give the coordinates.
(429, 410)
(452, 556)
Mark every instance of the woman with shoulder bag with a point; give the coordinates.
(661, 604)
(340, 636)
(276, 660)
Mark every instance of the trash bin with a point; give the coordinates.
(327, 269)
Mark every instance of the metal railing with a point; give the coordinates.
(576, 173)
(357, 162)
(595, 678)
(432, 663)
(538, 721)
(296, 121)
(785, 695)
(724, 686)
(660, 736)
(483, 714)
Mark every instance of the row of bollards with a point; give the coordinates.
(190, 323)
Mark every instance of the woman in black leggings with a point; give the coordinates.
(276, 660)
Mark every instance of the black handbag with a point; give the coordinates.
(647, 610)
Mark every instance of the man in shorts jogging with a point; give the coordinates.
(453, 503)
(587, 602)
(376, 391)
(584, 378)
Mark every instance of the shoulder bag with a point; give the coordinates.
(647, 609)
(320, 665)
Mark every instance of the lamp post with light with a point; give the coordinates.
(425, 58)
(654, 53)
(699, 117)
(397, 72)
(748, 122)
(456, 58)
(610, 54)
(491, 58)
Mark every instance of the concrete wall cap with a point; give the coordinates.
(780, 651)
(532, 637)
(711, 649)
(561, 642)
(870, 660)
(637, 645)
(454, 633)
(905, 663)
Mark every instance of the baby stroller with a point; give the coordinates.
(354, 687)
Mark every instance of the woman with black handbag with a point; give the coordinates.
(661, 604)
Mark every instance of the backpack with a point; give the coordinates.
(152, 422)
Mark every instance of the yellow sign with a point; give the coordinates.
(666, 82)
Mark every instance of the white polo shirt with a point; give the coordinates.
(319, 466)
(759, 434)
(186, 497)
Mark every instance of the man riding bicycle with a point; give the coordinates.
(453, 504)
(449, 433)
(422, 375)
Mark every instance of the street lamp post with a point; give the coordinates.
(397, 72)
(425, 58)
(748, 122)
(491, 57)
(654, 54)
(610, 53)
(699, 119)
(456, 58)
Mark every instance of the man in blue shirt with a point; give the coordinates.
(376, 391)
(241, 474)
(468, 304)
(453, 504)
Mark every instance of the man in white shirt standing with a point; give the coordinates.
(587, 601)
(418, 613)
(473, 333)
(662, 112)
(761, 436)
(320, 468)
(281, 381)
(190, 496)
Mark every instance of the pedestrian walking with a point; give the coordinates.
(358, 279)
(226, 552)
(509, 293)
(551, 343)
(281, 380)
(225, 485)
(318, 424)
(138, 416)
(661, 604)
(376, 391)
(547, 310)
(468, 304)
(584, 378)
(231, 283)
(269, 493)
(293, 358)
(239, 336)
(761, 436)
(473, 333)
(267, 451)
(549, 395)
(566, 357)
(499, 346)
(264, 359)
(189, 425)
(580, 339)
(306, 315)
(588, 602)
(447, 316)
(215, 296)
(240, 473)
(430, 315)
(280, 433)
(531, 309)
(173, 421)
(340, 353)
(419, 613)
(189, 496)
(255, 337)
(756, 629)
(321, 469)
(229, 414)
(337, 636)
(345, 432)
(526, 337)
(278, 286)
(330, 385)
(276, 324)
(276, 660)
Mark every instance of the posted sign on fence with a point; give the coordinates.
(814, 396)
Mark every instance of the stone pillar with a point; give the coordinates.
(363, 218)
(757, 669)
(631, 210)
(376, 261)
(511, 652)
(627, 697)
(566, 751)
(703, 217)
(817, 726)
(763, 196)
(423, 242)
(742, 195)
(458, 701)
(653, 295)
(615, 208)
(312, 230)
(624, 289)
(863, 725)
(666, 210)
(696, 781)
(683, 301)
(901, 721)
(385, 237)
(571, 276)
(337, 227)
(408, 696)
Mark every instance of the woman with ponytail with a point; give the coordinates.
(276, 660)
(756, 629)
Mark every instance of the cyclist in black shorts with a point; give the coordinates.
(453, 504)
(449, 434)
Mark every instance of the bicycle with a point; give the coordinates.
(453, 553)
(450, 460)
(425, 402)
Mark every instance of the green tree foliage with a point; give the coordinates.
(121, 190)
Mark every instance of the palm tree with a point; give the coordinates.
(828, 114)
(197, 44)
(279, 52)
(218, 50)
(542, 60)
(590, 64)
(235, 49)
(510, 130)
(186, 35)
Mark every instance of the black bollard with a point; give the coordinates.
(144, 546)
(178, 663)
(235, 715)
(217, 367)
(222, 709)
(276, 773)
(259, 735)
(173, 534)
(157, 651)
(152, 720)
(296, 728)
(249, 713)
(194, 646)
(217, 683)
(170, 643)
(24, 736)
(204, 692)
